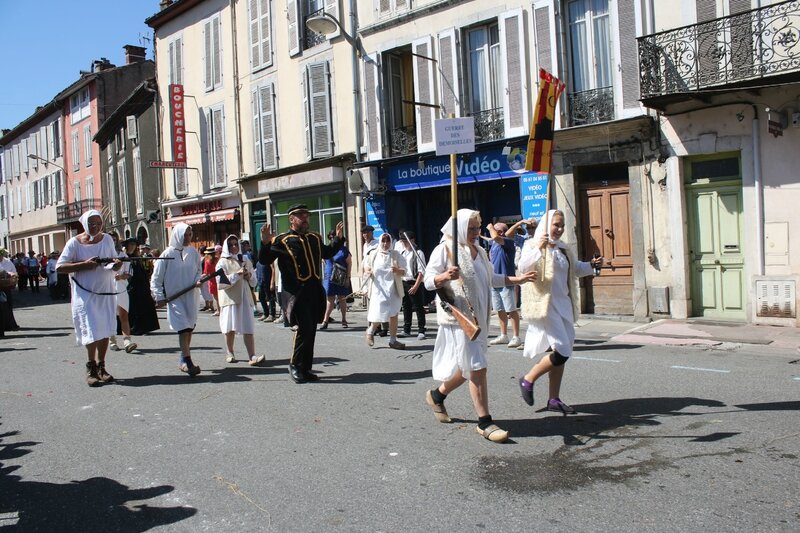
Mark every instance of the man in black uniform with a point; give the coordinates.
(300, 253)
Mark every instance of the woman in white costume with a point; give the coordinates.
(123, 300)
(550, 306)
(456, 359)
(236, 300)
(171, 277)
(385, 266)
(93, 292)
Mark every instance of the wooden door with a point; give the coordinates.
(605, 229)
(716, 252)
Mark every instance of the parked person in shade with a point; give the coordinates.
(335, 291)
(34, 269)
(413, 288)
(386, 267)
(300, 253)
(93, 292)
(172, 276)
(265, 279)
(9, 272)
(236, 300)
(504, 299)
(122, 278)
(141, 307)
(456, 359)
(550, 306)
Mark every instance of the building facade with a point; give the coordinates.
(128, 141)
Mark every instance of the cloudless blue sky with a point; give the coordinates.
(46, 43)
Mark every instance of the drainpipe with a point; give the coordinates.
(356, 78)
(237, 111)
(759, 189)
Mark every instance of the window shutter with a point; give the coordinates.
(293, 13)
(44, 144)
(543, 14)
(306, 110)
(256, 130)
(268, 126)
(122, 174)
(332, 8)
(56, 139)
(424, 92)
(217, 44)
(372, 105)
(87, 138)
(179, 61)
(265, 23)
(32, 148)
(181, 183)
(515, 80)
(28, 196)
(320, 109)
(629, 60)
(53, 188)
(132, 127)
(400, 4)
(255, 34)
(23, 155)
(449, 81)
(172, 69)
(384, 7)
(209, 57)
(35, 195)
(218, 128)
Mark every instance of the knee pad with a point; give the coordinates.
(557, 359)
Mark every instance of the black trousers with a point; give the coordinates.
(33, 280)
(413, 303)
(306, 313)
(267, 299)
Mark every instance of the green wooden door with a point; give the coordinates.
(716, 251)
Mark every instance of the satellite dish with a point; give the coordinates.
(355, 181)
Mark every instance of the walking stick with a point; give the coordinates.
(222, 279)
(543, 261)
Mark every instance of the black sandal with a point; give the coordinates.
(344, 324)
(324, 325)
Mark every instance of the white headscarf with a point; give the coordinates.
(85, 221)
(380, 244)
(178, 232)
(463, 216)
(225, 252)
(544, 227)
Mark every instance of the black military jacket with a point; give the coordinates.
(299, 257)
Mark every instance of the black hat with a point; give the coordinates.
(298, 208)
(367, 229)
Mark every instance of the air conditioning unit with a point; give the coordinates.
(355, 181)
(364, 181)
(776, 300)
(153, 216)
(133, 128)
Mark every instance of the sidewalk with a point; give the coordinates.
(690, 332)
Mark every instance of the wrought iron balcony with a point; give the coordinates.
(312, 39)
(737, 50)
(403, 140)
(488, 124)
(592, 106)
(72, 212)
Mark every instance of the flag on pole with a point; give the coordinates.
(539, 157)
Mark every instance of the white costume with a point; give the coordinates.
(170, 277)
(8, 265)
(94, 312)
(122, 284)
(550, 315)
(386, 289)
(52, 276)
(236, 299)
(452, 351)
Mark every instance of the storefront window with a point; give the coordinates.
(325, 212)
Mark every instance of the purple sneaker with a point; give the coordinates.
(526, 389)
(560, 407)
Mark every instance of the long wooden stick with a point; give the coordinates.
(454, 202)
(546, 226)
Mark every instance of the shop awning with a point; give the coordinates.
(203, 218)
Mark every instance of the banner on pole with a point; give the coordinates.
(539, 156)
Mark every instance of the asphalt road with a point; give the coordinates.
(666, 439)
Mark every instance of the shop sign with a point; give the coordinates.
(533, 194)
(454, 135)
(201, 207)
(376, 215)
(177, 120)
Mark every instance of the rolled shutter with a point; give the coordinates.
(256, 130)
(544, 24)
(208, 79)
(293, 14)
(217, 30)
(449, 80)
(265, 23)
(218, 127)
(372, 107)
(424, 92)
(332, 8)
(629, 60)
(318, 87)
(253, 23)
(515, 79)
(268, 128)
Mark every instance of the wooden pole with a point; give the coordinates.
(546, 225)
(454, 202)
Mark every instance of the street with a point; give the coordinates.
(667, 438)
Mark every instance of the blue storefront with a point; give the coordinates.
(492, 181)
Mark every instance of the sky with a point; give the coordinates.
(46, 43)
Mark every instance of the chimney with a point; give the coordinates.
(164, 4)
(134, 54)
(101, 64)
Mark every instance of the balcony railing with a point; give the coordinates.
(488, 124)
(403, 140)
(71, 212)
(592, 106)
(730, 50)
(311, 38)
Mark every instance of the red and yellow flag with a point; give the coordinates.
(539, 157)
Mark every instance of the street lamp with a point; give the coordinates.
(325, 24)
(46, 161)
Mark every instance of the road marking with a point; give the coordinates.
(700, 369)
(796, 379)
(596, 359)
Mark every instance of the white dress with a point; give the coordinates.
(238, 317)
(93, 315)
(123, 300)
(172, 276)
(384, 302)
(452, 351)
(556, 329)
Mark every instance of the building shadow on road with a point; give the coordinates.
(93, 504)
(594, 420)
(604, 346)
(388, 378)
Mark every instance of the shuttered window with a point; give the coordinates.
(515, 88)
(176, 61)
(264, 128)
(293, 15)
(215, 129)
(318, 110)
(424, 92)
(76, 151)
(181, 183)
(372, 105)
(448, 72)
(260, 34)
(212, 46)
(55, 139)
(137, 180)
(87, 145)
